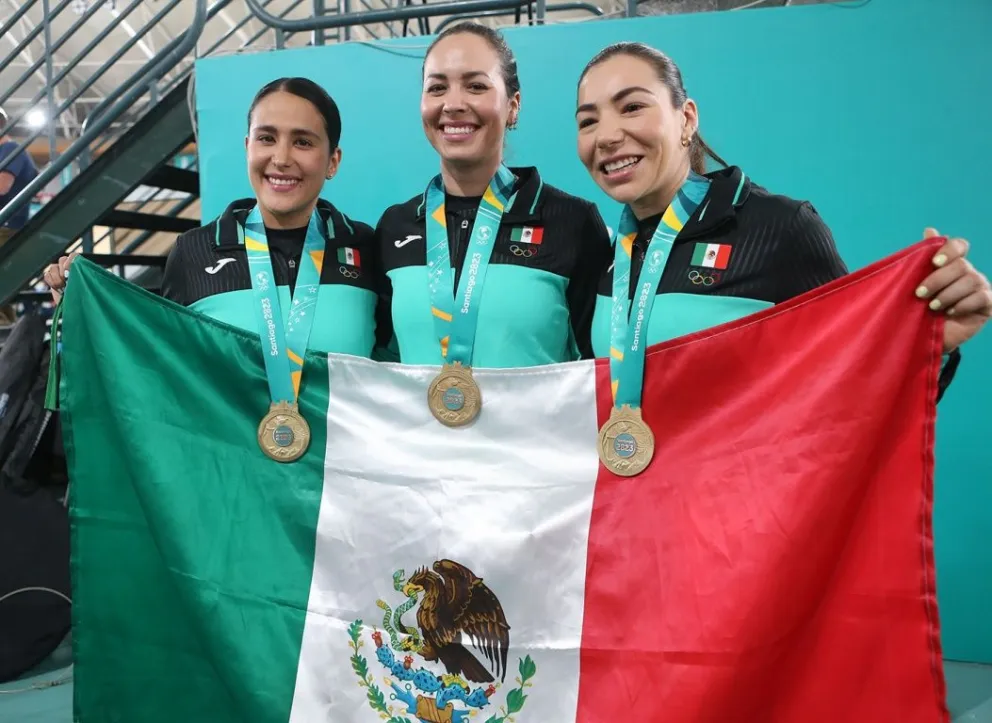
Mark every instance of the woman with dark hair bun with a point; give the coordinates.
(313, 259)
(703, 248)
(489, 266)
(526, 253)
(285, 265)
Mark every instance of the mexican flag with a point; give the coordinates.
(711, 256)
(773, 564)
(527, 234)
(349, 256)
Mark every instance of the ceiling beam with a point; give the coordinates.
(29, 58)
(161, 27)
(126, 27)
(242, 35)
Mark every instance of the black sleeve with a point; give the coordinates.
(386, 348)
(174, 276)
(947, 372)
(592, 261)
(808, 255)
(810, 260)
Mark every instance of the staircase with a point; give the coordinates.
(97, 197)
(125, 147)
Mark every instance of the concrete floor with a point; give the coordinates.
(969, 692)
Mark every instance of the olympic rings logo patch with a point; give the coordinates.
(703, 278)
(348, 273)
(523, 251)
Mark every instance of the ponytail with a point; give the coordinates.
(698, 152)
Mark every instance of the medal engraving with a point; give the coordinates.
(454, 397)
(284, 434)
(626, 443)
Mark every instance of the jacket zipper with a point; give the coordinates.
(459, 244)
(636, 264)
(283, 266)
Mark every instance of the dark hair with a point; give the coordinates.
(507, 61)
(307, 90)
(669, 74)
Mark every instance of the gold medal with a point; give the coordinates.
(454, 397)
(626, 443)
(284, 434)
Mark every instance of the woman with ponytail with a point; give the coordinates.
(703, 248)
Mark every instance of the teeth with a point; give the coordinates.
(282, 181)
(458, 130)
(621, 163)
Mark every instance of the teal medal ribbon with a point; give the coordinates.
(454, 397)
(626, 443)
(284, 434)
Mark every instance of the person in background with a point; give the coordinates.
(14, 178)
(521, 257)
(738, 248)
(292, 148)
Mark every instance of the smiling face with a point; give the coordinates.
(289, 158)
(465, 107)
(630, 135)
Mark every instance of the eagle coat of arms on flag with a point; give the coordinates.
(454, 610)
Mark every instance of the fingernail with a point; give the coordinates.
(939, 259)
(935, 304)
(922, 292)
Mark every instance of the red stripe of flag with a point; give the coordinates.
(775, 562)
(723, 256)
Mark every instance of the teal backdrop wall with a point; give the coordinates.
(877, 112)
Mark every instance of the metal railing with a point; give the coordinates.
(529, 6)
(52, 80)
(119, 102)
(371, 17)
(233, 30)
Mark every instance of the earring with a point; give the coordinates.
(686, 142)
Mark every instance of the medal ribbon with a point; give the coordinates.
(455, 324)
(284, 348)
(628, 331)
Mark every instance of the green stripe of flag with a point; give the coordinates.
(699, 254)
(162, 594)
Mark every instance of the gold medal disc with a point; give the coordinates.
(453, 397)
(626, 443)
(284, 434)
